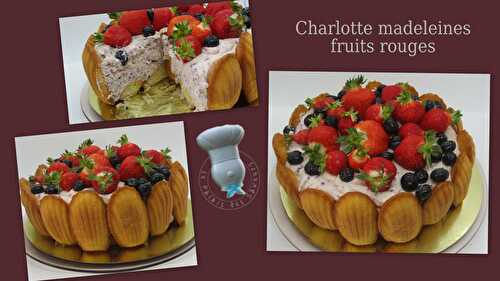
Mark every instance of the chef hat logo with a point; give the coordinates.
(221, 143)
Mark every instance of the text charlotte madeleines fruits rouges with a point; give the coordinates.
(410, 38)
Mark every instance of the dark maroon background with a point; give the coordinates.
(231, 244)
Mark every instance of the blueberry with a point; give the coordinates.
(409, 182)
(438, 105)
(211, 41)
(156, 177)
(141, 181)
(79, 185)
(246, 11)
(449, 158)
(346, 174)
(151, 15)
(424, 191)
(122, 57)
(37, 188)
(448, 146)
(379, 100)
(312, 169)
(288, 130)
(164, 171)
(378, 91)
(439, 174)
(341, 94)
(115, 160)
(428, 105)
(295, 157)
(68, 162)
(148, 31)
(387, 155)
(331, 121)
(436, 156)
(51, 189)
(131, 182)
(144, 189)
(199, 16)
(441, 137)
(394, 141)
(421, 176)
(391, 126)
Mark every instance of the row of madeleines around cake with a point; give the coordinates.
(205, 48)
(375, 160)
(94, 197)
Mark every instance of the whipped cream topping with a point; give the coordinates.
(145, 55)
(193, 75)
(335, 187)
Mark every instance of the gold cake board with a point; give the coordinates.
(432, 239)
(173, 243)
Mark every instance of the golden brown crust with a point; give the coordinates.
(30, 203)
(128, 218)
(224, 83)
(356, 218)
(318, 207)
(179, 185)
(289, 181)
(55, 216)
(373, 85)
(437, 206)
(460, 176)
(244, 53)
(87, 217)
(432, 97)
(400, 218)
(279, 146)
(160, 208)
(466, 145)
(297, 113)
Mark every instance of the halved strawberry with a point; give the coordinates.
(187, 48)
(378, 174)
(115, 36)
(439, 120)
(134, 21)
(68, 181)
(408, 109)
(409, 129)
(227, 24)
(368, 135)
(414, 152)
(378, 112)
(301, 137)
(127, 148)
(356, 96)
(358, 158)
(178, 26)
(104, 180)
(161, 17)
(336, 160)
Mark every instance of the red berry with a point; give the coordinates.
(301, 137)
(104, 180)
(195, 9)
(68, 181)
(213, 8)
(410, 129)
(359, 99)
(223, 28)
(324, 135)
(117, 36)
(436, 119)
(391, 92)
(378, 112)
(408, 110)
(127, 148)
(99, 160)
(336, 160)
(161, 17)
(134, 21)
(357, 159)
(58, 167)
(378, 174)
(188, 48)
(180, 21)
(376, 139)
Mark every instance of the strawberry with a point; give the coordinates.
(378, 112)
(336, 109)
(87, 147)
(348, 120)
(356, 96)
(195, 9)
(213, 8)
(158, 157)
(409, 129)
(99, 160)
(301, 137)
(178, 26)
(104, 180)
(378, 174)
(134, 167)
(320, 103)
(324, 135)
(68, 181)
(408, 110)
(72, 157)
(227, 24)
(134, 21)
(87, 167)
(200, 30)
(187, 48)
(127, 148)
(414, 152)
(115, 36)
(391, 92)
(357, 158)
(439, 120)
(161, 17)
(368, 135)
(336, 160)
(58, 167)
(182, 8)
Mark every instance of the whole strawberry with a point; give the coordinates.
(410, 129)
(87, 147)
(178, 26)
(301, 137)
(320, 103)
(134, 167)
(99, 160)
(115, 36)
(187, 48)
(439, 120)
(59, 167)
(134, 21)
(161, 17)
(158, 157)
(71, 157)
(213, 7)
(391, 92)
(68, 181)
(358, 158)
(127, 148)
(347, 121)
(368, 135)
(104, 180)
(378, 112)
(414, 152)
(200, 30)
(336, 160)
(408, 109)
(195, 9)
(335, 109)
(356, 96)
(227, 24)
(324, 135)
(378, 174)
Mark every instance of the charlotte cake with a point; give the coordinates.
(206, 49)
(375, 160)
(93, 196)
